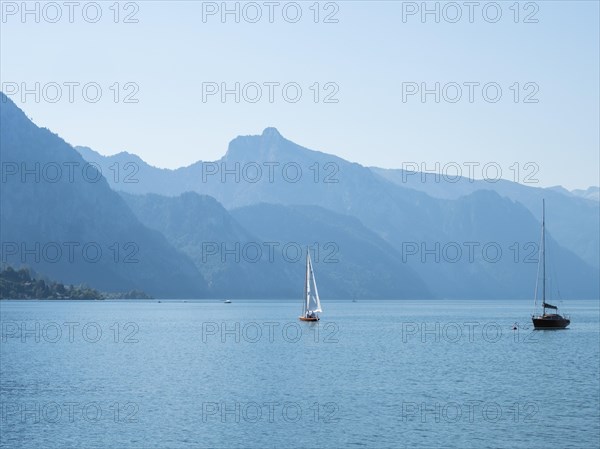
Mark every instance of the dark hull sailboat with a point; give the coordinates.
(547, 320)
(550, 321)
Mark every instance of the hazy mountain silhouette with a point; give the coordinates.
(392, 241)
(222, 250)
(258, 251)
(591, 193)
(352, 261)
(509, 227)
(62, 219)
(575, 216)
(401, 216)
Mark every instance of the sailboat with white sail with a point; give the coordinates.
(311, 304)
(547, 320)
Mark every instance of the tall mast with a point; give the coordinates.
(307, 283)
(544, 254)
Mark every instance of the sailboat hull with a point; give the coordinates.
(303, 318)
(550, 322)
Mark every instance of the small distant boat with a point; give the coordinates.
(227, 301)
(546, 320)
(311, 304)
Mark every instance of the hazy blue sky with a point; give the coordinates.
(369, 53)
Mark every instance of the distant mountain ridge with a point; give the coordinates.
(258, 251)
(566, 210)
(159, 234)
(61, 218)
(401, 215)
(591, 193)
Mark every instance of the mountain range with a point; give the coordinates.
(239, 227)
(61, 218)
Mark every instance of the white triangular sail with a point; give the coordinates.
(312, 303)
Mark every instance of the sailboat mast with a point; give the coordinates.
(544, 254)
(307, 283)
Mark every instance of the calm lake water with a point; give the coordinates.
(176, 374)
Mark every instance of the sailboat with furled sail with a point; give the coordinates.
(550, 320)
(311, 304)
